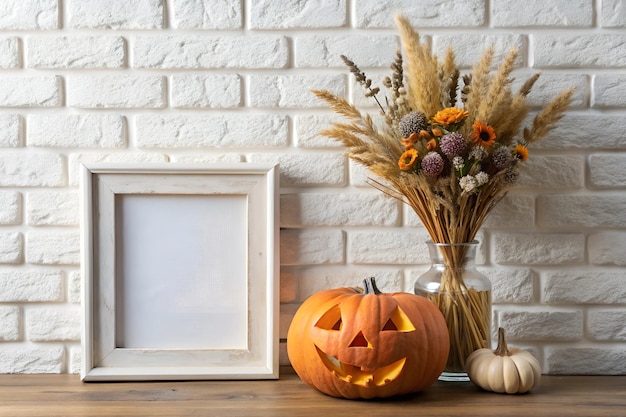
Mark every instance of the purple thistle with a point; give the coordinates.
(432, 164)
(453, 144)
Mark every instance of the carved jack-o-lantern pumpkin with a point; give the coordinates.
(353, 344)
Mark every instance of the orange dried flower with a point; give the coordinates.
(424, 134)
(521, 152)
(431, 145)
(450, 116)
(410, 141)
(437, 131)
(483, 134)
(408, 159)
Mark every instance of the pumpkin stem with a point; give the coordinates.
(370, 286)
(502, 349)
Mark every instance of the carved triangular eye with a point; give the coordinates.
(390, 325)
(331, 320)
(398, 321)
(338, 325)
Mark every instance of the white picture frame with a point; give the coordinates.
(179, 271)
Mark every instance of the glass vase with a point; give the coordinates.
(463, 295)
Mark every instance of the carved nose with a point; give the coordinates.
(360, 341)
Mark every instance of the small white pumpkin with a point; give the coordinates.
(510, 370)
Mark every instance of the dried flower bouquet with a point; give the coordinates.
(450, 146)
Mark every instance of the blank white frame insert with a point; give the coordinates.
(201, 303)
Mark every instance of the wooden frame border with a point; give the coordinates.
(102, 359)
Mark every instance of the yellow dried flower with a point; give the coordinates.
(424, 134)
(521, 152)
(450, 116)
(410, 141)
(408, 159)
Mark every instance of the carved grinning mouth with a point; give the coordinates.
(357, 375)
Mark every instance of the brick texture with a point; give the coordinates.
(569, 287)
(53, 248)
(116, 14)
(80, 52)
(29, 15)
(542, 325)
(206, 14)
(10, 130)
(506, 13)
(348, 210)
(210, 131)
(23, 286)
(606, 248)
(77, 130)
(536, 249)
(9, 52)
(312, 247)
(307, 169)
(119, 91)
(428, 13)
(325, 51)
(44, 359)
(31, 169)
(585, 50)
(30, 91)
(9, 324)
(188, 52)
(585, 361)
(607, 170)
(229, 81)
(49, 208)
(214, 91)
(613, 14)
(10, 207)
(296, 14)
(11, 248)
(52, 324)
(292, 91)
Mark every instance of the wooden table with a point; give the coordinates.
(65, 395)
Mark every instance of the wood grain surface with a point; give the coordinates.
(66, 395)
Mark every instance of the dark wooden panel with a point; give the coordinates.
(65, 395)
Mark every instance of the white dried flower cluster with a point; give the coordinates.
(458, 163)
(471, 183)
(478, 153)
(468, 183)
(482, 178)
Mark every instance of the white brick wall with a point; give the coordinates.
(30, 91)
(29, 15)
(80, 52)
(115, 14)
(228, 80)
